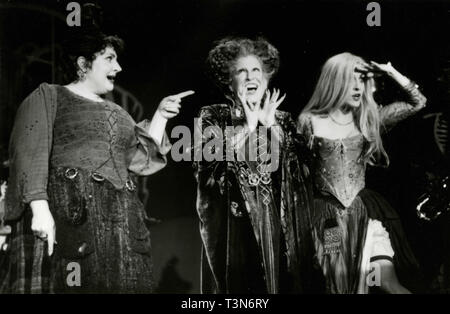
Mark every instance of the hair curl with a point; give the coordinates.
(226, 51)
(87, 41)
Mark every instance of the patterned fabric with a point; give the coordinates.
(339, 165)
(255, 227)
(342, 170)
(109, 235)
(102, 137)
(100, 222)
(341, 265)
(26, 267)
(343, 206)
(400, 110)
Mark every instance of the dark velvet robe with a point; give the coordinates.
(249, 245)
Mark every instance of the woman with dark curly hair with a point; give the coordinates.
(77, 222)
(254, 218)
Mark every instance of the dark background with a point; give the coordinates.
(167, 43)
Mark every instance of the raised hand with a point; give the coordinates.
(365, 69)
(386, 68)
(391, 71)
(169, 106)
(266, 115)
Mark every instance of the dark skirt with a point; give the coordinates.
(340, 235)
(103, 240)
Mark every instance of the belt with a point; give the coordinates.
(72, 173)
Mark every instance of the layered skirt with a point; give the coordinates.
(348, 239)
(103, 240)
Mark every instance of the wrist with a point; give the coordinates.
(268, 122)
(400, 78)
(271, 123)
(158, 116)
(250, 127)
(38, 206)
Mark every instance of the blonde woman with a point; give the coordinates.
(358, 237)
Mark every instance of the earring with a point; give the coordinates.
(81, 75)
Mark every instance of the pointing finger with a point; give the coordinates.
(184, 94)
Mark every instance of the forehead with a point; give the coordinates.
(249, 61)
(108, 51)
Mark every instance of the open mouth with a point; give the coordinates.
(251, 88)
(111, 78)
(356, 97)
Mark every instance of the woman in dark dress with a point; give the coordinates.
(358, 237)
(254, 218)
(77, 222)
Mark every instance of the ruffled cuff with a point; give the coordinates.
(150, 156)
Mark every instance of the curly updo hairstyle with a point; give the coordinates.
(222, 57)
(87, 41)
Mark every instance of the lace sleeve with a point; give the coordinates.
(392, 114)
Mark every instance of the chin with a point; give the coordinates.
(354, 104)
(254, 99)
(108, 88)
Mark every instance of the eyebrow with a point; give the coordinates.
(245, 68)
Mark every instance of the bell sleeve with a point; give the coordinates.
(148, 156)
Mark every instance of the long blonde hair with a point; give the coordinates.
(333, 88)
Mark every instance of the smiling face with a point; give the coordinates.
(356, 90)
(247, 76)
(100, 77)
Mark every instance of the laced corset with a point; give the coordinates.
(339, 167)
(94, 136)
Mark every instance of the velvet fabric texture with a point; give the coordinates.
(256, 233)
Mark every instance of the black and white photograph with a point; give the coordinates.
(224, 147)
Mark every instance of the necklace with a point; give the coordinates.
(340, 123)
